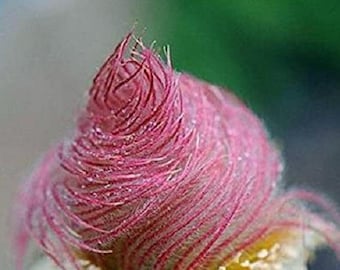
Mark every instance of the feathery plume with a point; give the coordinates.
(165, 171)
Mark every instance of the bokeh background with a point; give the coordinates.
(281, 57)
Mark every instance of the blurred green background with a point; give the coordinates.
(279, 56)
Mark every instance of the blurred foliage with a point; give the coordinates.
(277, 55)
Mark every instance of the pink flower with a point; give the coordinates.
(163, 171)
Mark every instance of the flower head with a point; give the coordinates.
(165, 171)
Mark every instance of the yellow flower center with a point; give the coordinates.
(279, 250)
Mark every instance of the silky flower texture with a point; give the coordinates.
(164, 171)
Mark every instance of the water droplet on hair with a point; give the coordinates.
(118, 203)
(98, 130)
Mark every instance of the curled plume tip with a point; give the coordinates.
(164, 171)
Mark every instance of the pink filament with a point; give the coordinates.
(163, 171)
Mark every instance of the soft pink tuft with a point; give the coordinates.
(162, 171)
